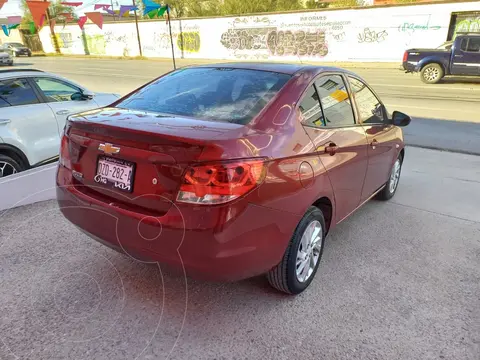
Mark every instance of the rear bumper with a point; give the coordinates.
(219, 243)
(410, 66)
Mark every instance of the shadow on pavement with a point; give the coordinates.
(457, 136)
(463, 80)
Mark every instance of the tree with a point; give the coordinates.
(54, 10)
(315, 4)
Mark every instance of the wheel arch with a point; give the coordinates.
(326, 206)
(430, 61)
(15, 153)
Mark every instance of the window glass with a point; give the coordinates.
(311, 113)
(370, 109)
(463, 45)
(474, 45)
(219, 94)
(16, 92)
(337, 109)
(56, 90)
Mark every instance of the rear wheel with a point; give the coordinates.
(302, 256)
(9, 166)
(432, 73)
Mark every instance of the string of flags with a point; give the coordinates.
(38, 10)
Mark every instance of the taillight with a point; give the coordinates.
(405, 56)
(64, 158)
(220, 183)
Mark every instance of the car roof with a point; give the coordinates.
(15, 73)
(284, 68)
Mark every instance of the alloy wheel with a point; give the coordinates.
(309, 251)
(6, 169)
(394, 176)
(431, 74)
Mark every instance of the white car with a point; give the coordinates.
(33, 108)
(5, 58)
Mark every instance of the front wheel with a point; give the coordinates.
(302, 256)
(432, 73)
(391, 186)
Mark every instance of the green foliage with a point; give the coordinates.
(316, 4)
(54, 9)
(346, 3)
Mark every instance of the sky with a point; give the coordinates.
(13, 7)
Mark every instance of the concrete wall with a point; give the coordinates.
(13, 37)
(369, 34)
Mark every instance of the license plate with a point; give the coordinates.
(115, 173)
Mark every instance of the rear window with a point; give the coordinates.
(219, 94)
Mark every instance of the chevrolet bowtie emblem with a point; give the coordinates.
(109, 149)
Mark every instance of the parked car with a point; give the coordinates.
(460, 57)
(16, 49)
(33, 108)
(5, 59)
(231, 170)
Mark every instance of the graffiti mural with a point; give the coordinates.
(468, 25)
(95, 44)
(300, 42)
(372, 36)
(276, 42)
(189, 41)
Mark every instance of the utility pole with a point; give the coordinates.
(111, 2)
(171, 38)
(138, 32)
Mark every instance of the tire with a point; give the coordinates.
(392, 184)
(432, 73)
(284, 276)
(9, 166)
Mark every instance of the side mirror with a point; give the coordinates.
(400, 119)
(88, 95)
(79, 96)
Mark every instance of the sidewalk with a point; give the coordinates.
(186, 62)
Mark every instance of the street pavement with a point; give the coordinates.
(455, 99)
(398, 280)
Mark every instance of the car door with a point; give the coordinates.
(471, 56)
(381, 135)
(341, 144)
(460, 58)
(26, 122)
(63, 98)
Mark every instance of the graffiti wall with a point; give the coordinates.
(369, 34)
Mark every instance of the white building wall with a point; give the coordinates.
(369, 34)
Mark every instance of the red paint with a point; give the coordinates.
(286, 168)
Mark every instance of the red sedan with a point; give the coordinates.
(231, 171)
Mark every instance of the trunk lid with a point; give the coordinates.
(157, 148)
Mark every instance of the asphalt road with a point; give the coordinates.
(456, 100)
(398, 280)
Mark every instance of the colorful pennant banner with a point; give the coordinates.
(38, 8)
(127, 8)
(109, 11)
(101, 6)
(69, 3)
(96, 18)
(2, 2)
(5, 30)
(81, 21)
(12, 20)
(149, 6)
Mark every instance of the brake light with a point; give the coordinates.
(64, 158)
(405, 56)
(220, 183)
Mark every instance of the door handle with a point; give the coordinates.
(374, 144)
(63, 112)
(5, 121)
(458, 55)
(331, 149)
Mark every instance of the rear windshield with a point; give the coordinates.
(16, 44)
(219, 94)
